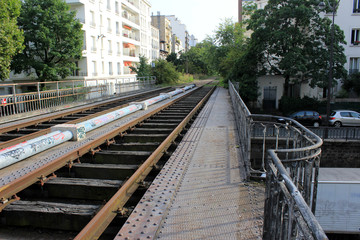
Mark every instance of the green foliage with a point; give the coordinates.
(293, 40)
(289, 105)
(352, 83)
(11, 37)
(234, 59)
(165, 72)
(186, 78)
(53, 39)
(143, 69)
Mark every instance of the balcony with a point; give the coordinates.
(131, 17)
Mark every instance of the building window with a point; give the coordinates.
(118, 50)
(354, 65)
(93, 46)
(92, 23)
(118, 68)
(110, 47)
(109, 25)
(94, 73)
(117, 7)
(356, 8)
(110, 68)
(108, 5)
(117, 28)
(102, 67)
(355, 37)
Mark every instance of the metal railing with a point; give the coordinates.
(291, 167)
(26, 97)
(342, 133)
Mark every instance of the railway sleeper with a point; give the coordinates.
(134, 146)
(170, 117)
(9, 136)
(181, 114)
(159, 125)
(27, 130)
(120, 157)
(157, 120)
(103, 171)
(144, 130)
(74, 188)
(143, 138)
(52, 215)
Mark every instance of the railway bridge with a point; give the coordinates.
(177, 166)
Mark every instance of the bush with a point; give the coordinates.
(165, 72)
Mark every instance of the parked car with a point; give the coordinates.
(306, 118)
(340, 118)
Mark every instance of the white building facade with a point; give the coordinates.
(116, 33)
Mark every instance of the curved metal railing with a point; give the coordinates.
(290, 161)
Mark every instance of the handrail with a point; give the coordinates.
(25, 97)
(291, 170)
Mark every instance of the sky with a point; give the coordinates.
(201, 17)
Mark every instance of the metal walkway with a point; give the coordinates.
(200, 193)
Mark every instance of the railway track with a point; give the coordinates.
(89, 192)
(25, 130)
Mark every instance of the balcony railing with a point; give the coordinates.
(291, 166)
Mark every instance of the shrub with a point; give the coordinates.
(165, 72)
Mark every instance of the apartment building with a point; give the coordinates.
(155, 43)
(116, 33)
(165, 33)
(180, 32)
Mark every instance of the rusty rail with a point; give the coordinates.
(9, 191)
(99, 223)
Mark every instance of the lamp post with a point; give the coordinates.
(333, 7)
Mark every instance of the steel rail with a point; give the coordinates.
(69, 112)
(9, 191)
(103, 218)
(27, 137)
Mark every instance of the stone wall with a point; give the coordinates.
(340, 153)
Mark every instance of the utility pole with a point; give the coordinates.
(240, 11)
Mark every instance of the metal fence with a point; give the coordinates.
(25, 97)
(291, 167)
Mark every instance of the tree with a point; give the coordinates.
(234, 58)
(293, 41)
(143, 69)
(53, 39)
(165, 72)
(11, 37)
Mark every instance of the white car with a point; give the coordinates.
(340, 118)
